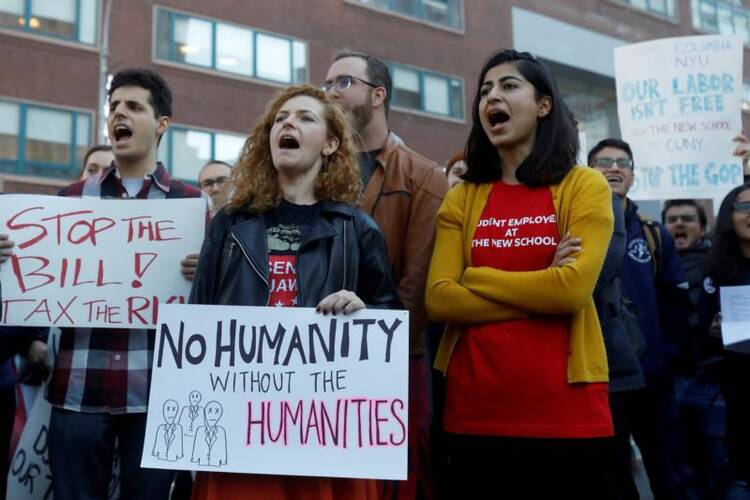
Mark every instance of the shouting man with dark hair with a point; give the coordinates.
(99, 384)
(403, 191)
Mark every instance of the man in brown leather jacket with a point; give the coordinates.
(403, 191)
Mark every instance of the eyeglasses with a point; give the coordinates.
(742, 206)
(343, 82)
(604, 162)
(218, 181)
(687, 219)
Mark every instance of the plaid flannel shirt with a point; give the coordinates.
(109, 369)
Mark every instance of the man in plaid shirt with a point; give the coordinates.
(99, 384)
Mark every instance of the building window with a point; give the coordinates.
(185, 150)
(723, 17)
(74, 20)
(660, 7)
(592, 99)
(427, 91)
(229, 48)
(444, 12)
(36, 140)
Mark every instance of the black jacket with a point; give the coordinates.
(344, 250)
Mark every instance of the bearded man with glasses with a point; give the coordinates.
(654, 280)
(402, 192)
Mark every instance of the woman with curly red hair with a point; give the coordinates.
(291, 220)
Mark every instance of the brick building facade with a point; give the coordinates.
(224, 59)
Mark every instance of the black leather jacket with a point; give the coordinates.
(344, 250)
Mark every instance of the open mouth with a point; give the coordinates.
(614, 179)
(680, 236)
(121, 132)
(497, 116)
(288, 142)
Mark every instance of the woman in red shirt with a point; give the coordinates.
(524, 355)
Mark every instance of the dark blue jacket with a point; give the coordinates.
(662, 300)
(625, 372)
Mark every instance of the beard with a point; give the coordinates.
(362, 114)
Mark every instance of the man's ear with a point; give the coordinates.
(162, 124)
(378, 97)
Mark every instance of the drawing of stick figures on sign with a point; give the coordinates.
(168, 442)
(192, 416)
(210, 447)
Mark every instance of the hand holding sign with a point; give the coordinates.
(189, 266)
(6, 247)
(341, 301)
(743, 151)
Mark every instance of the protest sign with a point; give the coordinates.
(679, 104)
(279, 391)
(30, 477)
(88, 262)
(735, 317)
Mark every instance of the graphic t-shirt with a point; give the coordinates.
(286, 228)
(510, 378)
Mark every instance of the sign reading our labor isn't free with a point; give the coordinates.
(274, 390)
(88, 262)
(679, 104)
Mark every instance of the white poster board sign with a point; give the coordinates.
(735, 317)
(88, 262)
(30, 477)
(279, 391)
(679, 101)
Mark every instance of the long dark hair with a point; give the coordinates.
(556, 146)
(724, 261)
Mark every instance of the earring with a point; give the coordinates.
(325, 162)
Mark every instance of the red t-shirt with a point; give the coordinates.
(510, 378)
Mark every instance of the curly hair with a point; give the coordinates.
(256, 181)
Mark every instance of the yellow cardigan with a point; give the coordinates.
(460, 294)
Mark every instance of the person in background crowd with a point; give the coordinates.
(402, 192)
(456, 169)
(686, 222)
(700, 402)
(525, 358)
(653, 278)
(96, 159)
(293, 193)
(32, 343)
(624, 345)
(728, 264)
(99, 384)
(214, 180)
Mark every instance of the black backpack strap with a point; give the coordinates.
(653, 239)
